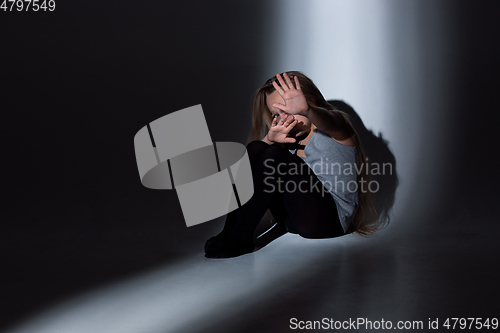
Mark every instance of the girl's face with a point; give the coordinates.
(303, 125)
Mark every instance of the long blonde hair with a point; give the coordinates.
(365, 220)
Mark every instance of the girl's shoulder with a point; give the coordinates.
(327, 140)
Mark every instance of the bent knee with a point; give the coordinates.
(255, 148)
(274, 152)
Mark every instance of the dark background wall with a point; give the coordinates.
(78, 83)
(76, 86)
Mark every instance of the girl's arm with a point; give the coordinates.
(331, 122)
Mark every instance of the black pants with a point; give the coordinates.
(286, 185)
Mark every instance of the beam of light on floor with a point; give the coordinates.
(192, 294)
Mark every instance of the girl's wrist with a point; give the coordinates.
(266, 140)
(306, 112)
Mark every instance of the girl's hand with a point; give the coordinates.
(280, 129)
(295, 101)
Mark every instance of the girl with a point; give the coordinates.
(307, 170)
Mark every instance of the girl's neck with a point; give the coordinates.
(304, 141)
(309, 135)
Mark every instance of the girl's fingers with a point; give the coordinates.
(275, 121)
(288, 81)
(292, 124)
(281, 121)
(290, 140)
(281, 107)
(297, 84)
(278, 89)
(283, 85)
(289, 120)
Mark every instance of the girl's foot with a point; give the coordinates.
(212, 242)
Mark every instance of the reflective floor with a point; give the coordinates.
(417, 277)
